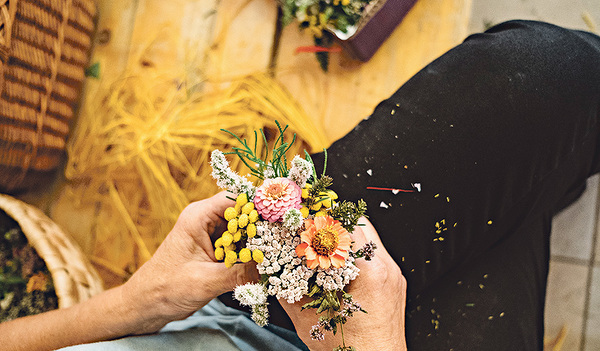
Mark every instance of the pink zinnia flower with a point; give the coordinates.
(275, 196)
(325, 243)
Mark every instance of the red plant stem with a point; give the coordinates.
(314, 48)
(390, 189)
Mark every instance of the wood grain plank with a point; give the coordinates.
(243, 38)
(113, 36)
(172, 36)
(339, 99)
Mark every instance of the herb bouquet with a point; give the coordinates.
(324, 19)
(295, 229)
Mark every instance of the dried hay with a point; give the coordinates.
(140, 152)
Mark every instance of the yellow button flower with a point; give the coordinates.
(247, 208)
(232, 226)
(243, 221)
(218, 242)
(253, 216)
(320, 213)
(230, 213)
(230, 258)
(332, 194)
(258, 256)
(316, 206)
(242, 199)
(251, 230)
(304, 210)
(237, 236)
(245, 255)
(226, 239)
(305, 193)
(219, 254)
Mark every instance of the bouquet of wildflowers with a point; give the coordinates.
(295, 229)
(322, 18)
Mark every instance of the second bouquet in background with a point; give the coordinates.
(296, 230)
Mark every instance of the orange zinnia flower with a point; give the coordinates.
(325, 243)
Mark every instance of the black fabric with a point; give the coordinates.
(501, 132)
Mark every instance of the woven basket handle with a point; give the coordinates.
(8, 10)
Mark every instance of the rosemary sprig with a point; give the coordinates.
(257, 165)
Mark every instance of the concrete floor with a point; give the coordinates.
(573, 298)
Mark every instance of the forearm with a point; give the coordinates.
(103, 317)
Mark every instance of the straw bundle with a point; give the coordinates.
(140, 154)
(43, 51)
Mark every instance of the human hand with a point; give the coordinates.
(380, 289)
(183, 275)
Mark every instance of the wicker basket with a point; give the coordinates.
(44, 47)
(75, 279)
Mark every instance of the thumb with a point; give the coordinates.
(226, 279)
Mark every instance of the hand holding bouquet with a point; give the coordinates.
(293, 226)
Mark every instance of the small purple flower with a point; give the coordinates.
(325, 324)
(316, 333)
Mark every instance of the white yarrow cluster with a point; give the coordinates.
(227, 178)
(300, 172)
(289, 276)
(278, 244)
(292, 284)
(337, 278)
(292, 219)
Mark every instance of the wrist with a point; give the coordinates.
(141, 302)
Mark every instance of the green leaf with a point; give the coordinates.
(93, 70)
(314, 290)
(333, 300)
(324, 162)
(312, 304)
(324, 305)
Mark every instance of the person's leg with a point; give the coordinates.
(498, 132)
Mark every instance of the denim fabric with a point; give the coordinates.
(215, 327)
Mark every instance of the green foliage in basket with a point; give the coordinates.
(26, 286)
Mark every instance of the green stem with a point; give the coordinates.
(8, 280)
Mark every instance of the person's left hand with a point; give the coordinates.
(183, 275)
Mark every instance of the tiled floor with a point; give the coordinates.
(573, 298)
(574, 283)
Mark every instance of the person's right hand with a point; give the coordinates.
(380, 289)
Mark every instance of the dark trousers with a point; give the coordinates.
(501, 132)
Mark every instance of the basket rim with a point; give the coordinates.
(75, 279)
